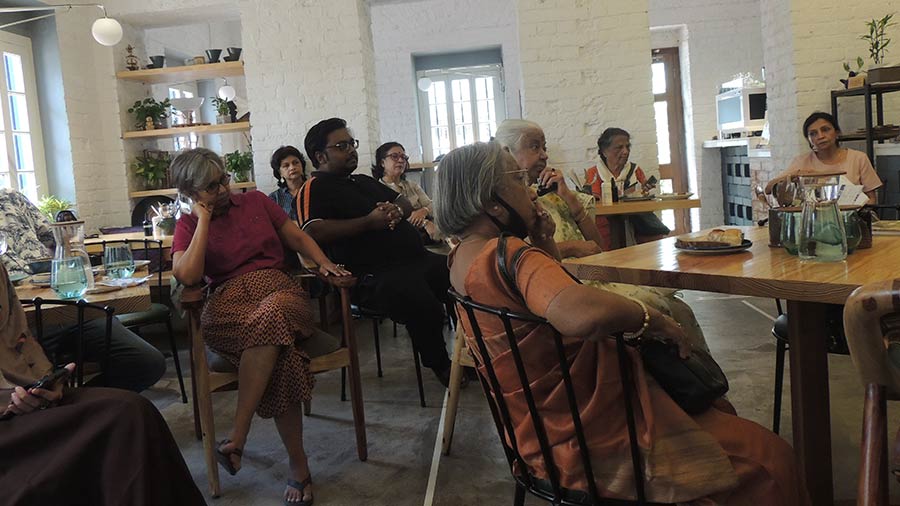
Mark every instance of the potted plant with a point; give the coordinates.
(49, 205)
(157, 112)
(878, 44)
(239, 165)
(222, 111)
(858, 74)
(152, 168)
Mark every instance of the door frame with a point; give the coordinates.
(670, 56)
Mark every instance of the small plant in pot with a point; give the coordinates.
(239, 165)
(876, 38)
(150, 108)
(853, 73)
(222, 110)
(152, 168)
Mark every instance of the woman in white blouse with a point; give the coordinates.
(390, 167)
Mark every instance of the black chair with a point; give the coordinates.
(376, 317)
(837, 344)
(547, 489)
(158, 313)
(81, 306)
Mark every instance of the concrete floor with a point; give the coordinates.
(404, 465)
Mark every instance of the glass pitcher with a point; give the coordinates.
(69, 237)
(821, 236)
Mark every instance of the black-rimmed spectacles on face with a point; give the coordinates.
(214, 186)
(345, 145)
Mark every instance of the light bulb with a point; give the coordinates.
(227, 92)
(424, 84)
(107, 31)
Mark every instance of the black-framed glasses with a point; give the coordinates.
(345, 145)
(397, 157)
(214, 186)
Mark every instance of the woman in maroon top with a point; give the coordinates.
(255, 312)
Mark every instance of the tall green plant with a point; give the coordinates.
(877, 39)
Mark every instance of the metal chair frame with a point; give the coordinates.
(158, 247)
(81, 305)
(525, 482)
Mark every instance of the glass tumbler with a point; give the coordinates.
(67, 277)
(118, 261)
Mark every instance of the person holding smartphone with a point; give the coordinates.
(54, 440)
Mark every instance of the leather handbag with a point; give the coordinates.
(693, 383)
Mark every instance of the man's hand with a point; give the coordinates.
(385, 215)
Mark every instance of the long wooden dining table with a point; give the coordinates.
(763, 271)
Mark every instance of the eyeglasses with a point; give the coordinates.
(345, 145)
(398, 157)
(521, 173)
(214, 186)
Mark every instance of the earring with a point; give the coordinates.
(281, 180)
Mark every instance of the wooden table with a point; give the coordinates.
(768, 272)
(644, 206)
(125, 300)
(616, 214)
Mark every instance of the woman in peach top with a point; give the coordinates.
(714, 458)
(821, 131)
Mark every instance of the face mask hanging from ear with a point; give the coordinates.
(516, 225)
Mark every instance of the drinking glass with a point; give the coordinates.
(789, 224)
(821, 236)
(67, 277)
(118, 261)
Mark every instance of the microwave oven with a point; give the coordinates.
(741, 111)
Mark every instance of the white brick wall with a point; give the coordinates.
(723, 38)
(586, 67)
(401, 30)
(304, 62)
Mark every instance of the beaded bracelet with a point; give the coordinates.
(630, 336)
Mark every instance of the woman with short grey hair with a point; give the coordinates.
(256, 313)
(483, 198)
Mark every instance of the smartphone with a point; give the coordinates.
(651, 181)
(49, 381)
(543, 190)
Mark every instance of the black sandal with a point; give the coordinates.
(300, 486)
(224, 457)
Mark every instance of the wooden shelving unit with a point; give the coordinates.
(868, 92)
(240, 126)
(184, 73)
(171, 192)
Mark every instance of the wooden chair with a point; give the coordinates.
(547, 489)
(461, 358)
(872, 323)
(206, 380)
(80, 307)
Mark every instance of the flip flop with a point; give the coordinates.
(224, 458)
(300, 486)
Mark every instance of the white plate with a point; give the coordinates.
(719, 250)
(674, 196)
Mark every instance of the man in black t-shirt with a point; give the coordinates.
(362, 224)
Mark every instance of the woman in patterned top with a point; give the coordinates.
(576, 232)
(390, 167)
(27, 231)
(289, 168)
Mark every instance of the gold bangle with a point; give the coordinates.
(630, 336)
